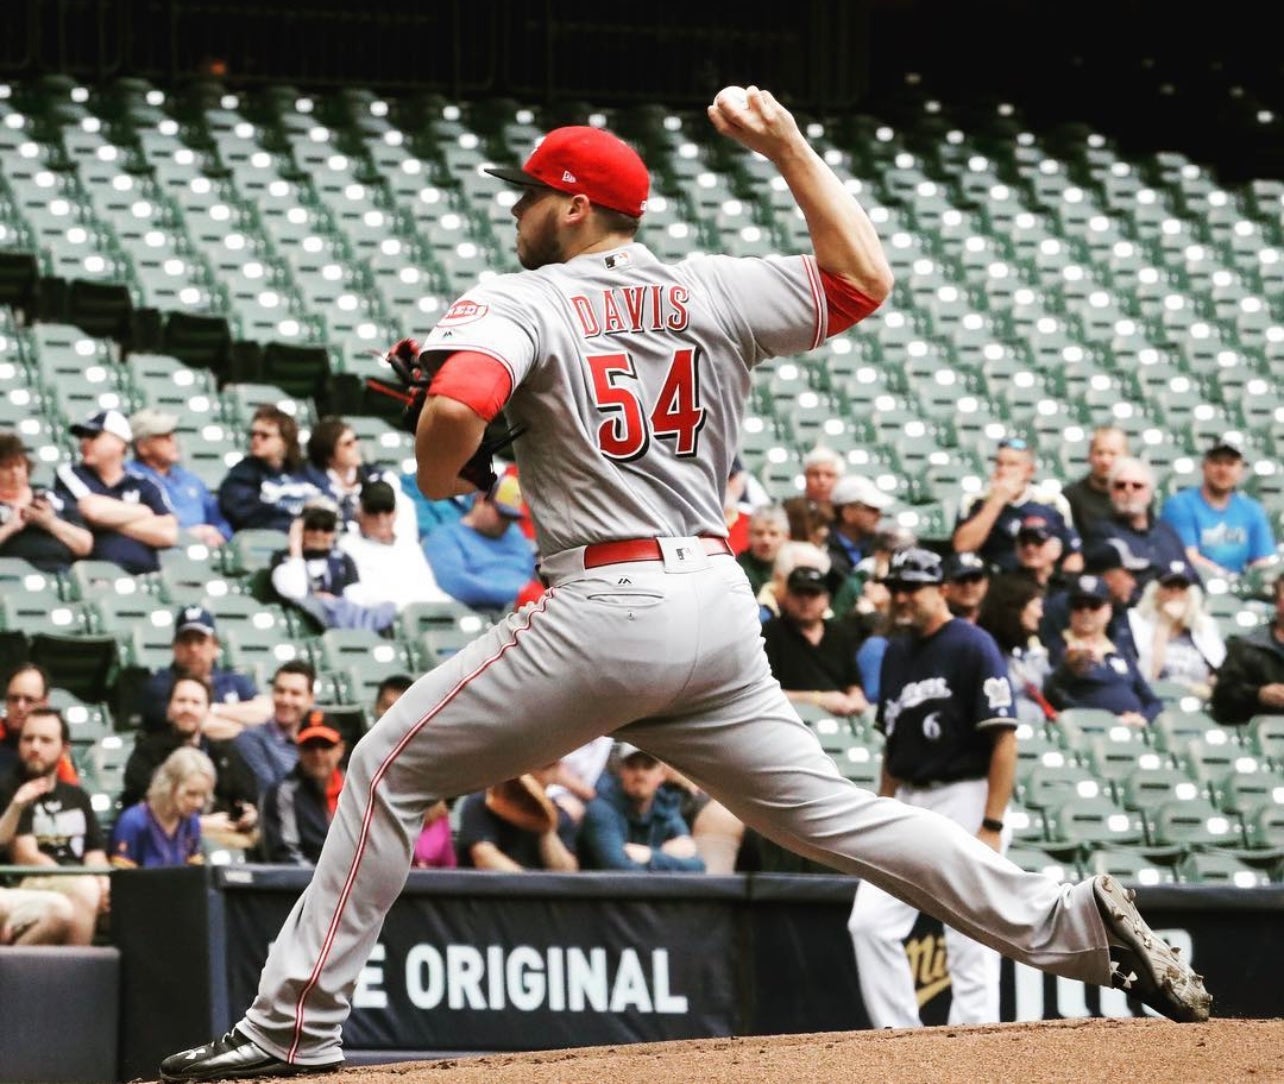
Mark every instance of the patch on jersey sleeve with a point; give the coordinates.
(463, 311)
(998, 692)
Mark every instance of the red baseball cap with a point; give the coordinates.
(580, 160)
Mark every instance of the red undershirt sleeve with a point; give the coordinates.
(477, 380)
(847, 305)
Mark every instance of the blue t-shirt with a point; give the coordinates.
(190, 497)
(1233, 536)
(138, 840)
(73, 482)
(1112, 683)
(939, 699)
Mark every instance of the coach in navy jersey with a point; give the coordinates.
(947, 709)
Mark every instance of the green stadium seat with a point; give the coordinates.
(1130, 865)
(1214, 868)
(81, 664)
(1152, 785)
(1048, 786)
(1036, 860)
(250, 550)
(1266, 737)
(1196, 823)
(1081, 823)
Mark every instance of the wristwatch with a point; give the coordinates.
(991, 825)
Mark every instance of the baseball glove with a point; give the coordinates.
(522, 803)
(414, 371)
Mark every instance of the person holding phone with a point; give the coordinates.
(35, 524)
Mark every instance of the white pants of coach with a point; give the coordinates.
(880, 923)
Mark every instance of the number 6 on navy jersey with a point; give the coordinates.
(677, 414)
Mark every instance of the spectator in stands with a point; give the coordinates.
(158, 458)
(164, 829)
(1251, 679)
(484, 560)
(743, 494)
(858, 508)
(822, 467)
(268, 488)
(634, 823)
(389, 691)
(1089, 497)
(1177, 639)
(1132, 520)
(1224, 531)
(1011, 613)
(515, 826)
(967, 581)
(988, 522)
(1092, 671)
(236, 702)
(791, 555)
(313, 574)
(390, 568)
(298, 809)
(861, 591)
(46, 822)
(768, 531)
(430, 514)
(812, 657)
(36, 524)
(131, 519)
(27, 688)
(234, 813)
(1118, 567)
(270, 749)
(338, 467)
(1038, 550)
(34, 918)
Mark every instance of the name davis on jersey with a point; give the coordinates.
(627, 309)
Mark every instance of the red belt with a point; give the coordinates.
(643, 549)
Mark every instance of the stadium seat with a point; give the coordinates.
(1035, 860)
(1130, 865)
(1212, 867)
(80, 664)
(1079, 824)
(250, 550)
(1151, 785)
(1196, 823)
(1049, 786)
(1266, 737)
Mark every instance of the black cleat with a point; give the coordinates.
(232, 1057)
(1144, 965)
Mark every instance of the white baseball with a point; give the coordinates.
(732, 96)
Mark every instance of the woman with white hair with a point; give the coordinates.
(164, 829)
(1177, 639)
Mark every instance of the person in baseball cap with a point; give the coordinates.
(1225, 531)
(298, 808)
(194, 619)
(967, 580)
(104, 421)
(806, 580)
(913, 568)
(858, 509)
(507, 497)
(1177, 638)
(582, 161)
(150, 422)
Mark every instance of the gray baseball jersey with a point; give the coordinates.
(631, 376)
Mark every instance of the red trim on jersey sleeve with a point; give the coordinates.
(847, 305)
(477, 380)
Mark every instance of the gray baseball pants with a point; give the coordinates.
(671, 657)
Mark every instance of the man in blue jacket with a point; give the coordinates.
(633, 824)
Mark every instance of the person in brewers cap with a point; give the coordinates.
(1092, 672)
(967, 580)
(235, 702)
(1224, 530)
(131, 519)
(158, 458)
(947, 709)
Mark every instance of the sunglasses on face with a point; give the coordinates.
(1087, 604)
(971, 577)
(1131, 485)
(896, 588)
(1017, 444)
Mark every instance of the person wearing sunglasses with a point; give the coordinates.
(1118, 568)
(1093, 672)
(268, 488)
(1133, 521)
(988, 522)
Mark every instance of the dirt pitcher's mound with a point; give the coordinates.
(1153, 1051)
